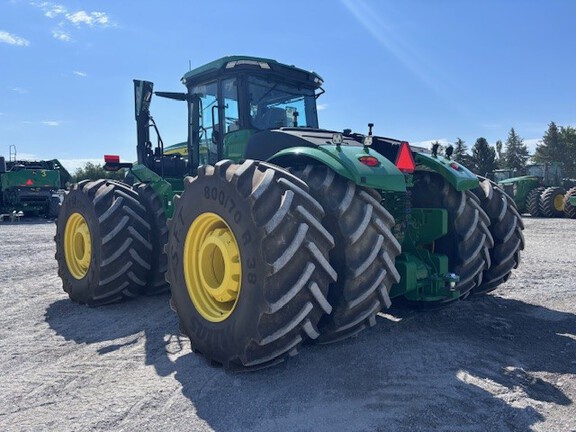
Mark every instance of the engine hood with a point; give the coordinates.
(263, 145)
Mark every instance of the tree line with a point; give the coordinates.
(558, 145)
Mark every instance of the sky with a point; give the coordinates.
(420, 70)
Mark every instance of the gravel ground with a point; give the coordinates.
(506, 361)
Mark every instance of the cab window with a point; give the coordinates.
(274, 105)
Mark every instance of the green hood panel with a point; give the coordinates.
(455, 173)
(344, 160)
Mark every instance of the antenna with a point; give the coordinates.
(189, 64)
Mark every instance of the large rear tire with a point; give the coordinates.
(102, 246)
(364, 253)
(506, 228)
(533, 202)
(552, 202)
(248, 264)
(156, 279)
(468, 241)
(569, 209)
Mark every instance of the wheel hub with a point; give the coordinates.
(77, 246)
(212, 267)
(559, 202)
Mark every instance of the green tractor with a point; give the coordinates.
(270, 231)
(541, 192)
(31, 187)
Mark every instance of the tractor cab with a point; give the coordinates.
(233, 98)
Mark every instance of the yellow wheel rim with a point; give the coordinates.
(212, 268)
(77, 245)
(559, 202)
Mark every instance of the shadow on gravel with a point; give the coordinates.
(480, 364)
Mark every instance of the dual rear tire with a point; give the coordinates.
(102, 243)
(248, 264)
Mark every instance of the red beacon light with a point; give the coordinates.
(111, 159)
(404, 159)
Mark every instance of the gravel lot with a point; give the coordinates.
(506, 361)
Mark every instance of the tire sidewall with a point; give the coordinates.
(76, 201)
(216, 195)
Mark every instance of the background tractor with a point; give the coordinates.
(540, 192)
(31, 187)
(270, 231)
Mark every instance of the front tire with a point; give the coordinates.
(102, 246)
(248, 264)
(364, 254)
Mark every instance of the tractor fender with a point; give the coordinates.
(460, 177)
(345, 161)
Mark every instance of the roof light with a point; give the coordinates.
(454, 166)
(405, 160)
(337, 139)
(233, 64)
(111, 159)
(370, 161)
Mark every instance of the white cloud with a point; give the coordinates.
(52, 10)
(12, 39)
(51, 123)
(19, 90)
(61, 35)
(77, 18)
(321, 107)
(80, 74)
(91, 19)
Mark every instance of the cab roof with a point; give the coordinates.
(259, 65)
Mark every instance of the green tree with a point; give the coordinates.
(483, 158)
(92, 171)
(558, 145)
(516, 154)
(551, 149)
(461, 152)
(568, 138)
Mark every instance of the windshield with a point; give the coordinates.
(275, 104)
(500, 175)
